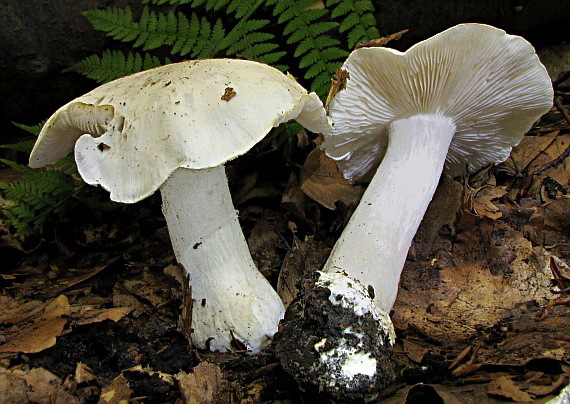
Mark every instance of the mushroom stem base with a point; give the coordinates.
(231, 299)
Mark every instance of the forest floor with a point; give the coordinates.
(89, 313)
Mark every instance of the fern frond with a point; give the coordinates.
(33, 198)
(25, 146)
(358, 19)
(306, 27)
(33, 129)
(114, 64)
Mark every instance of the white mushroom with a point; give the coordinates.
(172, 128)
(462, 98)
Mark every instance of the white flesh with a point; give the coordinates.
(230, 296)
(374, 245)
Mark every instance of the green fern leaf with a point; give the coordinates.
(358, 19)
(33, 129)
(114, 64)
(307, 28)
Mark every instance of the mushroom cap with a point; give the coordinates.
(490, 84)
(132, 133)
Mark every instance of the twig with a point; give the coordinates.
(560, 107)
(561, 79)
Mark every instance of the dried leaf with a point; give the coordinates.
(118, 392)
(323, 182)
(540, 391)
(381, 41)
(438, 223)
(414, 351)
(39, 330)
(481, 201)
(267, 242)
(549, 226)
(98, 315)
(149, 287)
(298, 204)
(504, 387)
(202, 385)
(309, 256)
(15, 310)
(13, 388)
(491, 269)
(45, 387)
(83, 373)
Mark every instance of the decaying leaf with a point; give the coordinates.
(504, 387)
(480, 201)
(439, 221)
(309, 256)
(323, 182)
(414, 351)
(544, 390)
(267, 242)
(299, 205)
(118, 392)
(549, 227)
(39, 329)
(202, 385)
(490, 270)
(83, 373)
(531, 158)
(425, 393)
(92, 315)
(338, 84)
(13, 388)
(45, 387)
(381, 41)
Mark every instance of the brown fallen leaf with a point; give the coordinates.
(323, 182)
(13, 388)
(381, 41)
(309, 256)
(202, 385)
(413, 351)
(296, 201)
(118, 392)
(97, 315)
(424, 393)
(45, 387)
(39, 330)
(504, 387)
(14, 310)
(480, 201)
(492, 268)
(549, 226)
(83, 373)
(540, 391)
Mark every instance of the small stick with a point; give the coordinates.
(560, 107)
(561, 79)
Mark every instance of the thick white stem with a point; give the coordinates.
(374, 245)
(231, 299)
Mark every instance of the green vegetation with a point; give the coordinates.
(310, 38)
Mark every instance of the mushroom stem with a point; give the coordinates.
(374, 245)
(231, 299)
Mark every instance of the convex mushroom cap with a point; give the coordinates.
(173, 128)
(195, 114)
(462, 98)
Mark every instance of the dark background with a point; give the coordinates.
(39, 38)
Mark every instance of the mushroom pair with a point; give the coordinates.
(172, 129)
(462, 99)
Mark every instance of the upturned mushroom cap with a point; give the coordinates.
(132, 133)
(490, 84)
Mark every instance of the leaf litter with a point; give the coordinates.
(482, 315)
